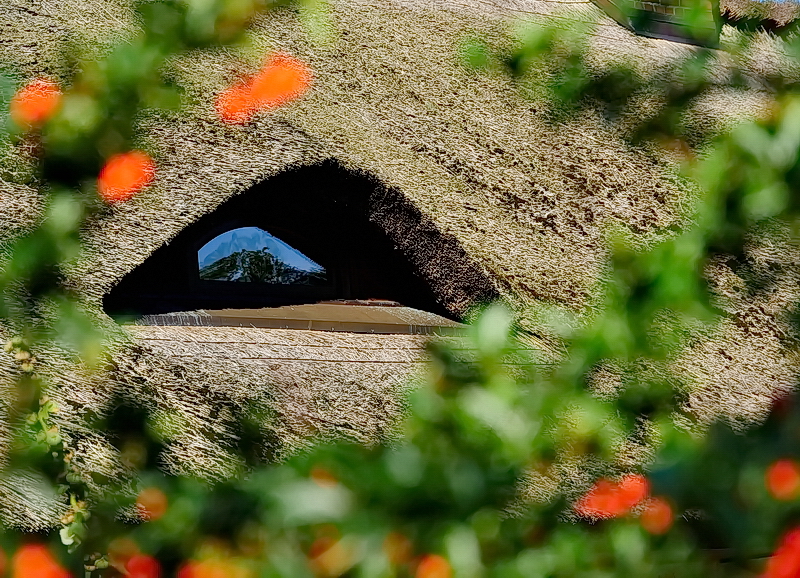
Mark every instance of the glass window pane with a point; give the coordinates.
(250, 254)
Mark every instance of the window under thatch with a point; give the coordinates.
(303, 237)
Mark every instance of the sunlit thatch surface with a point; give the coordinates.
(769, 14)
(200, 386)
(392, 100)
(312, 384)
(527, 200)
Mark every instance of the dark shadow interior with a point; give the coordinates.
(322, 211)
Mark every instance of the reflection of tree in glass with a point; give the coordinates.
(261, 267)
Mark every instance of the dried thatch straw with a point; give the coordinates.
(474, 158)
(317, 383)
(475, 187)
(769, 15)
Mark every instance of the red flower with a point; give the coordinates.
(35, 102)
(433, 566)
(35, 561)
(143, 566)
(785, 562)
(610, 499)
(188, 570)
(783, 479)
(657, 516)
(124, 175)
(282, 79)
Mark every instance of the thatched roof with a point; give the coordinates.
(458, 156)
(315, 382)
(470, 182)
(774, 16)
(527, 201)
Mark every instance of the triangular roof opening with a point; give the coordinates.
(313, 234)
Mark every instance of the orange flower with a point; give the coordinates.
(602, 501)
(124, 175)
(35, 102)
(783, 479)
(152, 502)
(633, 488)
(235, 104)
(283, 78)
(35, 561)
(143, 566)
(433, 566)
(657, 516)
(609, 499)
(785, 562)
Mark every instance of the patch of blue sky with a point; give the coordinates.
(253, 239)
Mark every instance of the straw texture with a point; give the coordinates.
(771, 15)
(313, 384)
(480, 193)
